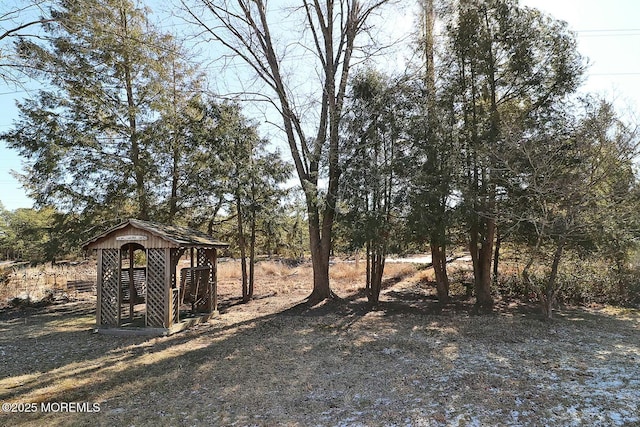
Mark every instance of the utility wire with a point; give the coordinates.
(611, 32)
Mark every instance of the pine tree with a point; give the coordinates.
(87, 137)
(370, 190)
(502, 59)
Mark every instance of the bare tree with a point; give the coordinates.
(327, 38)
(17, 21)
(571, 181)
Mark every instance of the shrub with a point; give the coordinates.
(5, 276)
(20, 301)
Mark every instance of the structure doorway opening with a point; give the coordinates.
(133, 285)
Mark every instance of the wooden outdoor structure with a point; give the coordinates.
(137, 264)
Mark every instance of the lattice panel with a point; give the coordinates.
(109, 303)
(204, 260)
(175, 305)
(156, 295)
(214, 281)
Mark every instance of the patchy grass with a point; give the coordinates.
(274, 362)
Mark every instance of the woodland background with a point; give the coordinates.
(478, 145)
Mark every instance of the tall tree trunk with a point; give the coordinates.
(175, 155)
(245, 29)
(439, 262)
(496, 256)
(175, 180)
(242, 243)
(367, 287)
(377, 270)
(438, 247)
(320, 264)
(252, 251)
(548, 296)
(134, 139)
(481, 249)
(252, 226)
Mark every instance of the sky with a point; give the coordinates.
(608, 34)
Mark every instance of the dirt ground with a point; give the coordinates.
(276, 362)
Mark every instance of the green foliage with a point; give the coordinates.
(483, 136)
(18, 20)
(122, 129)
(228, 165)
(572, 188)
(582, 279)
(88, 138)
(371, 146)
(28, 234)
(370, 189)
(502, 65)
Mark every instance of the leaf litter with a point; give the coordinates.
(275, 362)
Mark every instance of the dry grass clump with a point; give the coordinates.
(347, 271)
(347, 277)
(425, 275)
(271, 277)
(350, 271)
(399, 270)
(36, 283)
(228, 269)
(231, 269)
(274, 269)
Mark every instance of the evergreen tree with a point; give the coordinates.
(370, 190)
(500, 59)
(255, 176)
(88, 137)
(18, 20)
(431, 167)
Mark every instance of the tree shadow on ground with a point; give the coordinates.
(293, 366)
(418, 300)
(54, 309)
(281, 367)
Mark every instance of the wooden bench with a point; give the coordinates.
(194, 283)
(84, 286)
(139, 285)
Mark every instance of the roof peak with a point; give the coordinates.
(177, 235)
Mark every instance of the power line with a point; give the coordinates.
(610, 30)
(619, 74)
(14, 92)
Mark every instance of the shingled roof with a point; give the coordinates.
(175, 234)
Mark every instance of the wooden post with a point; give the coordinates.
(168, 293)
(213, 259)
(99, 290)
(191, 278)
(119, 284)
(132, 286)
